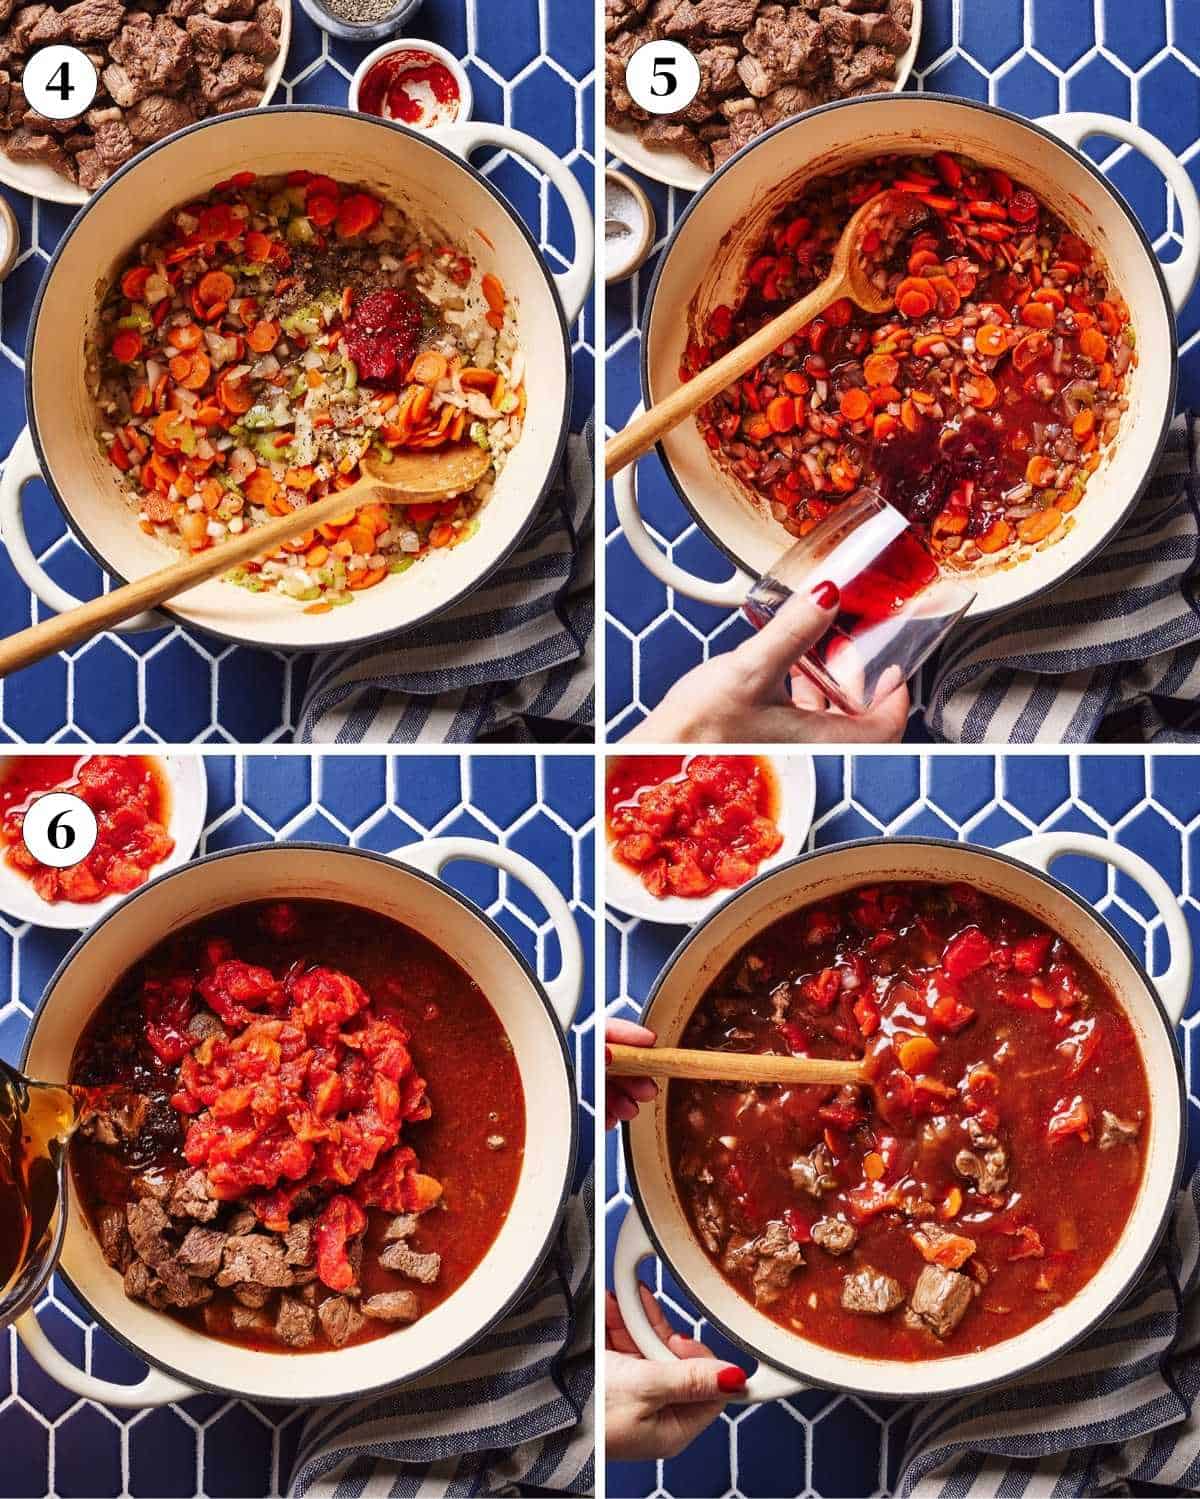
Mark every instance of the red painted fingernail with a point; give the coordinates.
(731, 1379)
(826, 595)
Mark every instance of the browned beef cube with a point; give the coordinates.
(871, 1292)
(114, 1238)
(253, 1296)
(270, 19)
(407, 1261)
(249, 1319)
(43, 149)
(201, 1251)
(154, 117)
(244, 1221)
(233, 75)
(665, 134)
(719, 16)
(834, 1235)
(156, 52)
(190, 1197)
(114, 144)
(245, 98)
(718, 69)
(86, 21)
(229, 10)
(885, 31)
(941, 1297)
(393, 1306)
(147, 1224)
(256, 1258)
(295, 1323)
(868, 64)
(403, 1226)
(1114, 1131)
(122, 89)
(679, 20)
(772, 1259)
(180, 10)
(340, 1319)
(299, 1245)
(619, 14)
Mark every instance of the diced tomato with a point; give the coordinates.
(1069, 1117)
(1030, 953)
(966, 953)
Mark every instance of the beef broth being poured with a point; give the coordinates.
(321, 1131)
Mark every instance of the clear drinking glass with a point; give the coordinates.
(896, 607)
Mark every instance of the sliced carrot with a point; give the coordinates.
(322, 209)
(357, 213)
(873, 1166)
(983, 389)
(263, 336)
(214, 287)
(950, 1251)
(180, 367)
(1084, 424)
(234, 395)
(126, 346)
(1029, 351)
(258, 247)
(186, 336)
(361, 539)
(428, 368)
(476, 379)
(910, 416)
(1037, 315)
(781, 413)
(133, 282)
(995, 537)
(321, 608)
(261, 487)
(855, 404)
(881, 369)
(991, 340)
(367, 578)
(493, 292)
(1040, 471)
(913, 305)
(1093, 344)
(885, 424)
(318, 556)
(1038, 526)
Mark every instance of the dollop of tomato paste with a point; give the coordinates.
(394, 87)
(306, 1088)
(380, 335)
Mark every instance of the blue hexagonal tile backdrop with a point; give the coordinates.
(531, 66)
(1139, 59)
(54, 1444)
(827, 1444)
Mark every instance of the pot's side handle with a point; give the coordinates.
(21, 468)
(156, 1389)
(1077, 127)
(434, 854)
(574, 283)
(727, 595)
(1042, 849)
(634, 1246)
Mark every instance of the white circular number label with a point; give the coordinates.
(60, 82)
(59, 829)
(662, 77)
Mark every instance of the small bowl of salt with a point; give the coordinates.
(629, 226)
(361, 20)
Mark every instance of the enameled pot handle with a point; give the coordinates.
(1041, 850)
(727, 595)
(573, 284)
(156, 1389)
(20, 468)
(434, 854)
(1077, 127)
(634, 1246)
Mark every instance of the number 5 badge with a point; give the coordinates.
(662, 77)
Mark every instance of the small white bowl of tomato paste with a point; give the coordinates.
(413, 83)
(150, 813)
(684, 832)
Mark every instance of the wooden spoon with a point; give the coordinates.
(729, 1066)
(849, 276)
(408, 479)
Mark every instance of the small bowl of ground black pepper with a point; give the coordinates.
(361, 20)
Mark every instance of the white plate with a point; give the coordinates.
(44, 182)
(797, 785)
(189, 799)
(675, 170)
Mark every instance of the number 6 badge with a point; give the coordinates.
(662, 77)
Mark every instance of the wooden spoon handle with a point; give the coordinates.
(65, 630)
(644, 431)
(729, 1066)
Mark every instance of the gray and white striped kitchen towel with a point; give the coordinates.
(513, 1414)
(520, 648)
(1116, 1415)
(1114, 652)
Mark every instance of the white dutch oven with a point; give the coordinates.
(704, 262)
(535, 1016)
(1019, 874)
(428, 175)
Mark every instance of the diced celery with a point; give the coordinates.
(351, 373)
(401, 566)
(479, 434)
(300, 231)
(258, 418)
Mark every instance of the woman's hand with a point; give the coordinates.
(752, 696)
(624, 1095)
(654, 1409)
